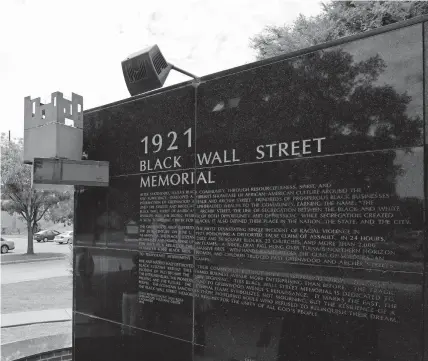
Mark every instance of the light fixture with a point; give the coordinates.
(147, 70)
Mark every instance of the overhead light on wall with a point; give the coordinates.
(147, 70)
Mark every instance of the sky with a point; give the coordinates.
(78, 45)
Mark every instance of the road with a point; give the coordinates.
(35, 286)
(20, 272)
(48, 247)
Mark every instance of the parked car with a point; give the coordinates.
(45, 235)
(66, 237)
(6, 245)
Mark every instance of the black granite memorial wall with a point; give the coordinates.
(274, 212)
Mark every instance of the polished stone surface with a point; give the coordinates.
(116, 133)
(365, 210)
(275, 213)
(358, 100)
(97, 339)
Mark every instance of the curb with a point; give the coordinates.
(17, 319)
(33, 260)
(35, 323)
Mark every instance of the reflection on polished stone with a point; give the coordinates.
(359, 211)
(118, 286)
(91, 204)
(116, 133)
(98, 339)
(358, 96)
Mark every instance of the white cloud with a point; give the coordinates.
(77, 45)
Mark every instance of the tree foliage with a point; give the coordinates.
(62, 212)
(18, 196)
(338, 19)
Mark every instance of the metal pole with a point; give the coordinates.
(184, 72)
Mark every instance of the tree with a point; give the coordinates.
(338, 19)
(62, 212)
(18, 195)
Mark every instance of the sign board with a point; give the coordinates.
(280, 213)
(70, 172)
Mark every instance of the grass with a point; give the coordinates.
(9, 258)
(37, 295)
